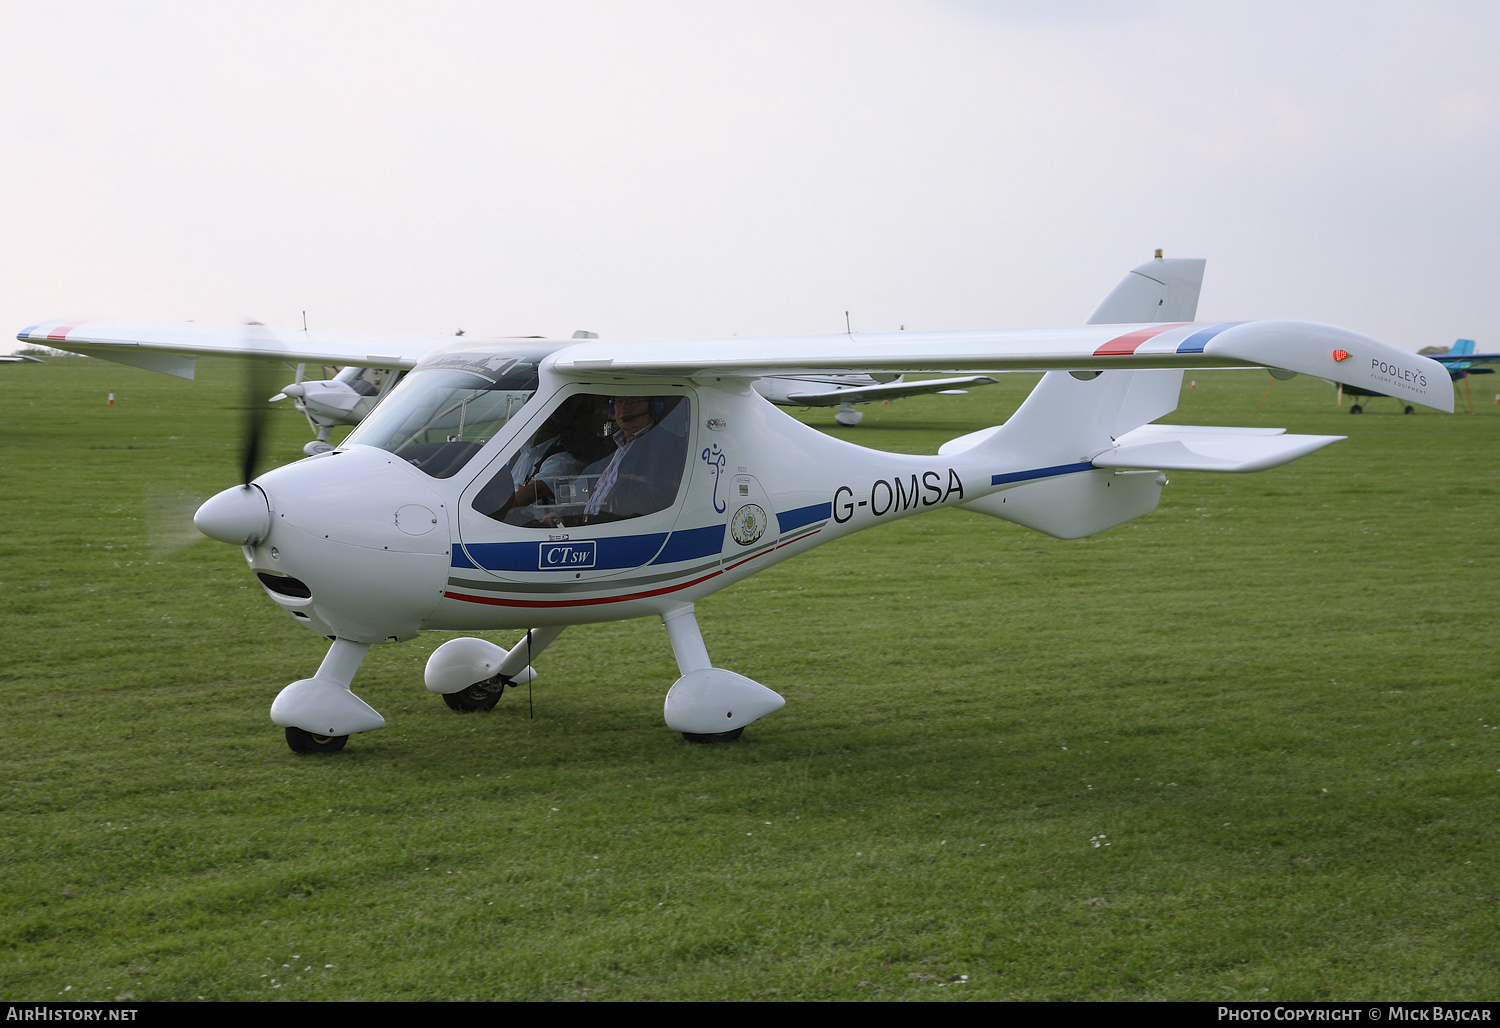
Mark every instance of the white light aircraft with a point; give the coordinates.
(536, 485)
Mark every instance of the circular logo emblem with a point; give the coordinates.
(748, 524)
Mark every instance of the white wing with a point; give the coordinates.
(1320, 350)
(1304, 347)
(172, 347)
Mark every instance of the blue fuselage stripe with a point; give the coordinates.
(610, 552)
(1026, 476)
(794, 519)
(692, 544)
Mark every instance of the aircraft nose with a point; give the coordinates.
(362, 548)
(240, 516)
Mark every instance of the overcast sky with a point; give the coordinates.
(653, 168)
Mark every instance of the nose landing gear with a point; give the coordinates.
(325, 702)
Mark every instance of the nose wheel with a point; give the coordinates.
(307, 742)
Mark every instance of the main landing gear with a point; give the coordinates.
(848, 416)
(709, 704)
(706, 704)
(472, 674)
(717, 737)
(1357, 409)
(476, 697)
(306, 742)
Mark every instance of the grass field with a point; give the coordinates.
(1247, 747)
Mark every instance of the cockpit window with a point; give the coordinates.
(595, 459)
(447, 408)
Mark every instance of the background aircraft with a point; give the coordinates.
(1460, 361)
(844, 391)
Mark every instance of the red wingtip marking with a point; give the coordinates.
(1126, 344)
(60, 333)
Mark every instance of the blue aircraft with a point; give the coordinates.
(1460, 362)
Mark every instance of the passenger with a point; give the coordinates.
(546, 456)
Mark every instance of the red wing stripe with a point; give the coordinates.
(60, 333)
(1126, 344)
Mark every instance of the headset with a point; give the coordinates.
(656, 406)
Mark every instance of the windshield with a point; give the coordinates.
(448, 408)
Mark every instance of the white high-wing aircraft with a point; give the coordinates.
(539, 485)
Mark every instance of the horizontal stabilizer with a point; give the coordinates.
(1207, 448)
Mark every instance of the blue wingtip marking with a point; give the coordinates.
(1199, 339)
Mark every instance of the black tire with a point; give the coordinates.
(1409, 409)
(307, 742)
(467, 701)
(1356, 409)
(715, 737)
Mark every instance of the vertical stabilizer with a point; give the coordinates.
(1078, 417)
(1072, 416)
(1164, 289)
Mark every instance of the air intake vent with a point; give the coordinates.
(284, 585)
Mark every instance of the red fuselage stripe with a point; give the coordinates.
(591, 601)
(498, 601)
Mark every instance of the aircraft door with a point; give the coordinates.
(589, 491)
(753, 528)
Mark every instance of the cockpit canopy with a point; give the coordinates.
(448, 407)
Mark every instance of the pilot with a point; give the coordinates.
(643, 473)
